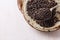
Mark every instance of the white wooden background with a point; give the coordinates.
(14, 27)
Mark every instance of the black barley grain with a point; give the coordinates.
(39, 10)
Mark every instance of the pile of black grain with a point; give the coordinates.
(39, 10)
